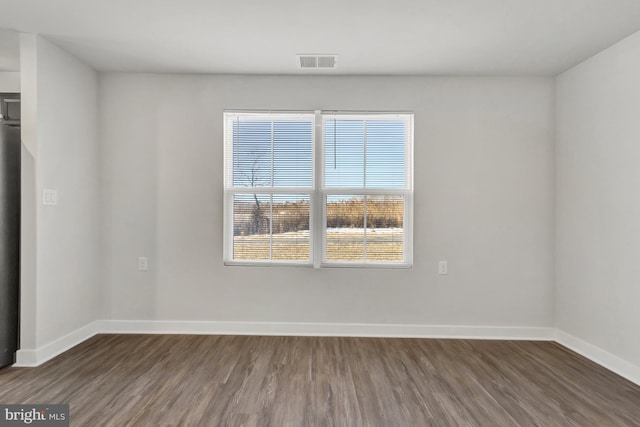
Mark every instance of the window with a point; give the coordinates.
(323, 189)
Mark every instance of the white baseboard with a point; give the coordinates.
(327, 329)
(36, 357)
(601, 357)
(26, 359)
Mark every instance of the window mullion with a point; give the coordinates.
(364, 182)
(364, 246)
(271, 227)
(364, 153)
(317, 228)
(272, 154)
(271, 196)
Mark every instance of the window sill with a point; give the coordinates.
(370, 266)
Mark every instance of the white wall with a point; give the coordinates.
(62, 259)
(9, 81)
(28, 206)
(598, 201)
(483, 201)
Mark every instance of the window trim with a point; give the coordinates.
(317, 194)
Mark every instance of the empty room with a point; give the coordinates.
(339, 213)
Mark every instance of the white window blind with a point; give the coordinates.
(357, 205)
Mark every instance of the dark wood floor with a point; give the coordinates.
(170, 380)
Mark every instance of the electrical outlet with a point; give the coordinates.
(443, 267)
(143, 263)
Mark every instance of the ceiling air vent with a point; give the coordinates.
(317, 62)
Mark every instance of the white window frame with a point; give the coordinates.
(318, 193)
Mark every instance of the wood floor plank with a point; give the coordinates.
(252, 381)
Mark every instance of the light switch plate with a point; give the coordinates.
(49, 197)
(443, 268)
